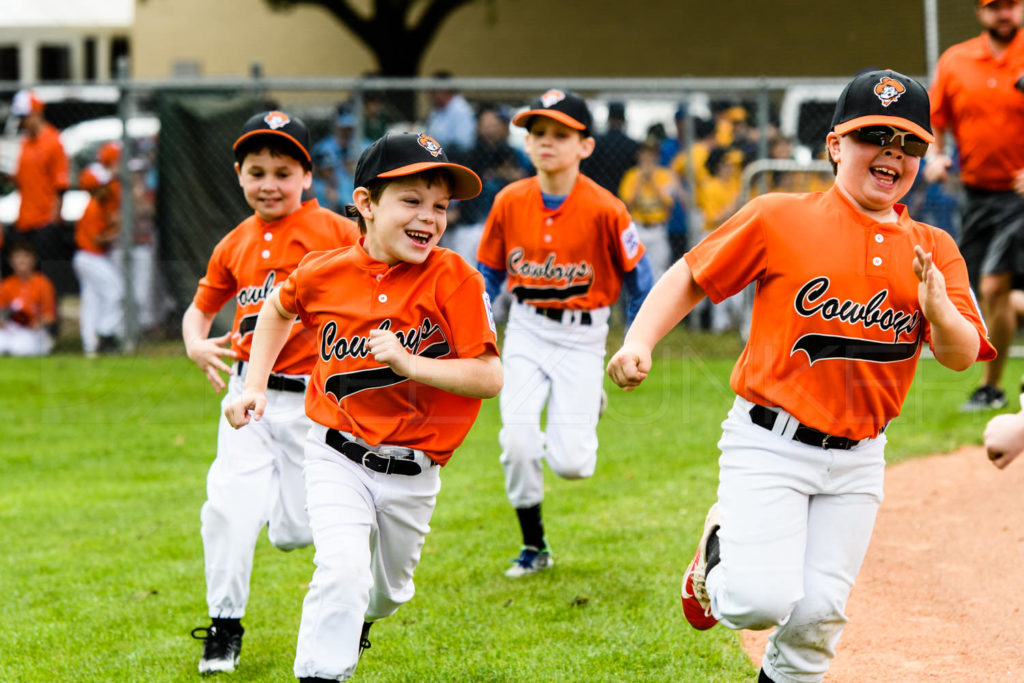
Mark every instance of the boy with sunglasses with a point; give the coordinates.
(848, 289)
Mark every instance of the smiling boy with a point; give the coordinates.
(407, 350)
(849, 287)
(567, 246)
(255, 480)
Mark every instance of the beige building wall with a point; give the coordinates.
(548, 38)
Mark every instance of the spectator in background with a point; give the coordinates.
(101, 313)
(377, 115)
(498, 164)
(41, 178)
(975, 97)
(451, 120)
(690, 168)
(614, 151)
(28, 306)
(650, 192)
(718, 196)
(334, 160)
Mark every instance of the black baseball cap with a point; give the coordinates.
(277, 123)
(563, 106)
(884, 97)
(401, 154)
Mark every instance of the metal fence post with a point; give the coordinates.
(127, 237)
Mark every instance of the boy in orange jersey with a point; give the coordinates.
(256, 478)
(849, 287)
(101, 314)
(405, 355)
(566, 245)
(28, 306)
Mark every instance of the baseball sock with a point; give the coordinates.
(712, 551)
(532, 526)
(229, 625)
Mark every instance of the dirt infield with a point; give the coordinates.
(941, 593)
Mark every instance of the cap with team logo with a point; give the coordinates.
(277, 123)
(401, 154)
(563, 106)
(884, 98)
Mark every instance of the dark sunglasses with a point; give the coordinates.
(884, 136)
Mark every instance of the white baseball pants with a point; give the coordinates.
(255, 481)
(101, 312)
(559, 364)
(368, 529)
(18, 340)
(795, 525)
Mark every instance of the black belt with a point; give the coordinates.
(372, 460)
(560, 314)
(765, 417)
(279, 382)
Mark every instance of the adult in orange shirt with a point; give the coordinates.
(41, 177)
(28, 306)
(976, 97)
(849, 289)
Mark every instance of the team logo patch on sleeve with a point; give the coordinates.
(490, 313)
(630, 240)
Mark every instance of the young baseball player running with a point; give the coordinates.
(848, 289)
(406, 349)
(256, 478)
(566, 245)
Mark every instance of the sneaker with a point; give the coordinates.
(530, 561)
(985, 397)
(696, 602)
(364, 637)
(221, 649)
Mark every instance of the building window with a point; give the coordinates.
(119, 47)
(54, 63)
(10, 66)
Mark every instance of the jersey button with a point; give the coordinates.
(382, 298)
(879, 239)
(380, 276)
(547, 238)
(267, 236)
(549, 221)
(265, 253)
(877, 260)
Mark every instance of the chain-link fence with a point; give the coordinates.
(682, 153)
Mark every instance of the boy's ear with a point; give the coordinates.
(832, 146)
(307, 179)
(587, 147)
(361, 198)
(238, 172)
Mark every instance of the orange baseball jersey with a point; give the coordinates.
(42, 174)
(973, 95)
(837, 327)
(97, 223)
(570, 257)
(437, 309)
(257, 256)
(30, 302)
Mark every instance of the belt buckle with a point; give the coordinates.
(824, 441)
(396, 452)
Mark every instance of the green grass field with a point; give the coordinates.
(102, 475)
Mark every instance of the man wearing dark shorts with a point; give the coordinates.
(976, 97)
